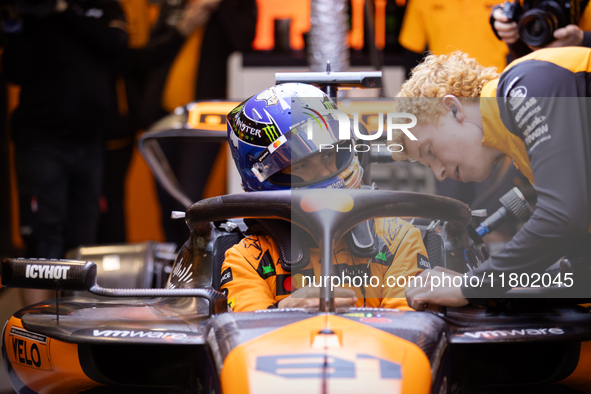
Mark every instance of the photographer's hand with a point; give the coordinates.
(568, 36)
(506, 29)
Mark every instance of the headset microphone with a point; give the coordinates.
(515, 207)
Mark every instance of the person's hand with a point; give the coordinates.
(61, 6)
(434, 290)
(308, 297)
(568, 36)
(571, 35)
(196, 14)
(506, 29)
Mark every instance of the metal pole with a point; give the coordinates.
(328, 35)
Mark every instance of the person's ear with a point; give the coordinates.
(451, 103)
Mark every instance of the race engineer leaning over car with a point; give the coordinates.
(537, 113)
(272, 150)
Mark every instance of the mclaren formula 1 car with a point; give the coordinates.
(183, 339)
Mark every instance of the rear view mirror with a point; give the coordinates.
(81, 276)
(48, 274)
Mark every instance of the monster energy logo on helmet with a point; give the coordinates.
(251, 131)
(271, 132)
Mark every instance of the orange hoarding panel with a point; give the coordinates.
(298, 11)
(380, 23)
(355, 38)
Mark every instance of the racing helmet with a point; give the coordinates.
(281, 126)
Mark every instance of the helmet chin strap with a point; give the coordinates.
(353, 174)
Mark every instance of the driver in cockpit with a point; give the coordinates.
(275, 149)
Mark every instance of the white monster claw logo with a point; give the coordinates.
(181, 274)
(269, 96)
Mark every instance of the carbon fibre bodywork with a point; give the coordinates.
(181, 345)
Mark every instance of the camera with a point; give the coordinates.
(537, 19)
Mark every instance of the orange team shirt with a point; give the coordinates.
(253, 278)
(445, 26)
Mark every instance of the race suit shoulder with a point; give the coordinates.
(537, 114)
(253, 277)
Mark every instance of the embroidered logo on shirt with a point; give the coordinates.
(381, 256)
(517, 96)
(266, 267)
(226, 276)
(253, 245)
(423, 262)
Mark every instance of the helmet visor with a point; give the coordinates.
(324, 169)
(305, 139)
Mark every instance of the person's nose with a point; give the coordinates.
(323, 170)
(439, 171)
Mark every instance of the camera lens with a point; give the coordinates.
(536, 27)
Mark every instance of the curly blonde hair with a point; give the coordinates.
(437, 76)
